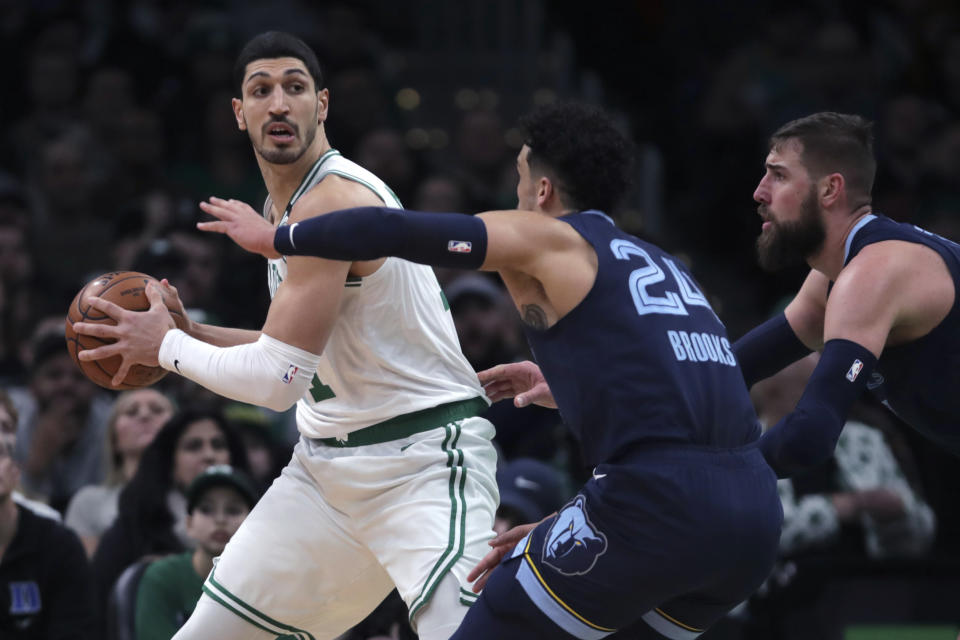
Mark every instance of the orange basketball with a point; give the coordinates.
(126, 289)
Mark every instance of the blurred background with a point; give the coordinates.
(118, 121)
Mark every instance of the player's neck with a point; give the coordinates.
(282, 180)
(830, 260)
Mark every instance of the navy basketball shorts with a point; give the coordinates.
(661, 544)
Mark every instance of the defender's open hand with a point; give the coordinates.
(502, 545)
(522, 381)
(245, 226)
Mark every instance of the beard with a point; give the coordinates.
(785, 244)
(287, 155)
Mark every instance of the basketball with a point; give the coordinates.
(126, 289)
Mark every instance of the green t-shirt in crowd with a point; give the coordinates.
(166, 597)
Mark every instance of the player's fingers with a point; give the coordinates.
(96, 330)
(100, 353)
(477, 571)
(486, 563)
(481, 582)
(510, 537)
(496, 397)
(231, 206)
(488, 375)
(213, 226)
(540, 394)
(169, 288)
(155, 296)
(115, 311)
(498, 390)
(121, 374)
(217, 209)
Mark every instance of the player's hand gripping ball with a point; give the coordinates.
(126, 289)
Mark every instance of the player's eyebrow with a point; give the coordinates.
(775, 166)
(264, 74)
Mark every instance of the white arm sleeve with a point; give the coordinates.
(267, 372)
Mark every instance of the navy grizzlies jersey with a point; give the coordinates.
(667, 373)
(919, 380)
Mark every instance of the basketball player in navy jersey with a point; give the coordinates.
(881, 300)
(681, 518)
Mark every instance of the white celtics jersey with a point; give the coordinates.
(393, 349)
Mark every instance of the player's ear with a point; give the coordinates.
(237, 105)
(545, 190)
(323, 103)
(831, 187)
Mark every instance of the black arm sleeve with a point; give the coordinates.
(365, 233)
(768, 348)
(807, 436)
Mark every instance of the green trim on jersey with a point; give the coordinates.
(257, 618)
(307, 179)
(360, 180)
(458, 518)
(409, 423)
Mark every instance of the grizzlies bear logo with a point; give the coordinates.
(573, 544)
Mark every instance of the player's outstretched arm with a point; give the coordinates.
(524, 241)
(522, 381)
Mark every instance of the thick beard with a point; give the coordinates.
(786, 244)
(290, 155)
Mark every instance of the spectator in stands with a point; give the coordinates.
(45, 580)
(63, 419)
(267, 450)
(217, 502)
(134, 421)
(489, 334)
(153, 506)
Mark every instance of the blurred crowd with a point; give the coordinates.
(118, 122)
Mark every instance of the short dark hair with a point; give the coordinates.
(276, 44)
(583, 151)
(834, 143)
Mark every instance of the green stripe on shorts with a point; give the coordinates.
(458, 518)
(257, 618)
(468, 597)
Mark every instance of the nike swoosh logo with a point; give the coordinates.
(176, 365)
(597, 476)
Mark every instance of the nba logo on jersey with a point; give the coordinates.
(854, 371)
(292, 371)
(459, 246)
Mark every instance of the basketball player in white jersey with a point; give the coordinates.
(392, 482)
